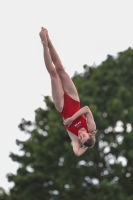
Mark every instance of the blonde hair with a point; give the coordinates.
(91, 141)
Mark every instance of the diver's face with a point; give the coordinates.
(83, 135)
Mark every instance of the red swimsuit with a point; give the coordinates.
(70, 108)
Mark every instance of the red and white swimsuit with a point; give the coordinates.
(71, 106)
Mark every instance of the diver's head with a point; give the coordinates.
(87, 139)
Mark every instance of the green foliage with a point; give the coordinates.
(48, 168)
(3, 195)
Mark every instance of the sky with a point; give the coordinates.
(82, 31)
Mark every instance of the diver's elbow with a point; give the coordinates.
(77, 154)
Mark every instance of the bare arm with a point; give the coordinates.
(90, 120)
(78, 150)
(83, 111)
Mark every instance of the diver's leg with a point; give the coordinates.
(55, 57)
(66, 81)
(57, 90)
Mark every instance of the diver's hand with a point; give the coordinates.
(68, 121)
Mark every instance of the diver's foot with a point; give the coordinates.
(43, 36)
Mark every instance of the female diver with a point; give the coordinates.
(79, 122)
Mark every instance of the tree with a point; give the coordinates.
(3, 195)
(49, 169)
